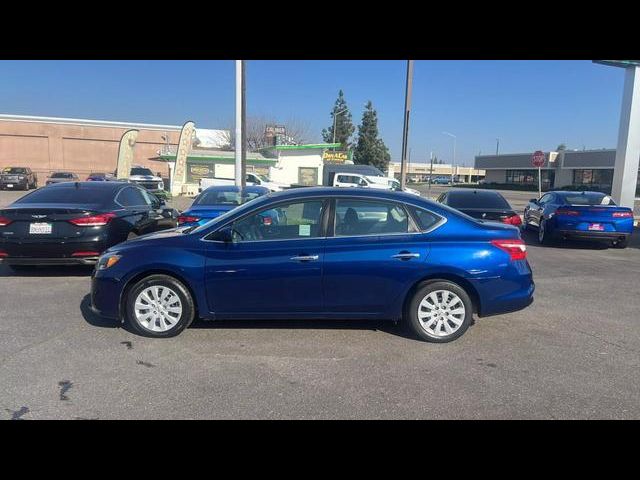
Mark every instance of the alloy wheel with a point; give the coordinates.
(158, 309)
(441, 313)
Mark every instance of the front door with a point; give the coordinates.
(273, 267)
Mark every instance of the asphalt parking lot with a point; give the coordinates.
(574, 353)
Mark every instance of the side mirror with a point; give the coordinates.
(362, 183)
(534, 201)
(223, 235)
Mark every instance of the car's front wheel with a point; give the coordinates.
(159, 306)
(440, 311)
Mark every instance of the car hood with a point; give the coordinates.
(172, 237)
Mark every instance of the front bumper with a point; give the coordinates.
(105, 296)
(14, 185)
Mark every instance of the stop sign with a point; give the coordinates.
(537, 160)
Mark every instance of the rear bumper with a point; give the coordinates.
(592, 235)
(511, 292)
(49, 261)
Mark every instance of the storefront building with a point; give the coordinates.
(420, 172)
(591, 169)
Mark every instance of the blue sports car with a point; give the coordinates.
(333, 253)
(214, 201)
(580, 216)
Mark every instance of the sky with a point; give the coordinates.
(529, 105)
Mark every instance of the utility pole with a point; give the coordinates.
(453, 163)
(405, 130)
(430, 172)
(497, 146)
(239, 129)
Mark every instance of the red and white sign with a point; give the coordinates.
(538, 158)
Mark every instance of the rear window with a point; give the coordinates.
(62, 175)
(588, 199)
(79, 195)
(477, 200)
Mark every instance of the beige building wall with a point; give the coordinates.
(47, 146)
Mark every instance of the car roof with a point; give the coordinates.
(303, 192)
(470, 191)
(94, 185)
(234, 188)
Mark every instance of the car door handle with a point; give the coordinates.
(406, 256)
(304, 258)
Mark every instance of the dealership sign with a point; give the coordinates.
(330, 156)
(538, 158)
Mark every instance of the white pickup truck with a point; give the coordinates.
(251, 179)
(369, 181)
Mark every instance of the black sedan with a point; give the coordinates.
(481, 204)
(74, 222)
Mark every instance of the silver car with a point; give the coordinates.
(59, 177)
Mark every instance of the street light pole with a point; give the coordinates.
(453, 163)
(497, 146)
(335, 116)
(405, 132)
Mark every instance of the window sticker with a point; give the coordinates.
(304, 230)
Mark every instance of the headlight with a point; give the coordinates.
(108, 261)
(161, 185)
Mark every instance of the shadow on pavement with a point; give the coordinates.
(374, 325)
(44, 271)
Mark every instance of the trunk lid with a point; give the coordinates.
(38, 222)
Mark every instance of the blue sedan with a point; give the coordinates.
(215, 201)
(581, 216)
(333, 253)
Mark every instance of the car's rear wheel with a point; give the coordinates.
(440, 311)
(544, 235)
(622, 243)
(159, 306)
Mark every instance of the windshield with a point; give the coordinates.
(141, 171)
(589, 199)
(264, 178)
(14, 170)
(224, 197)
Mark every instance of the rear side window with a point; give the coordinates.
(364, 217)
(476, 200)
(131, 197)
(426, 219)
(75, 195)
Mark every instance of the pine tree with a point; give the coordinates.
(343, 123)
(370, 150)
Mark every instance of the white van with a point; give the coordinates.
(250, 179)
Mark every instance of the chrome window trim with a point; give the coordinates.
(437, 225)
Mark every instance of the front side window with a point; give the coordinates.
(287, 221)
(364, 217)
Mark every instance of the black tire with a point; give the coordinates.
(186, 301)
(544, 237)
(411, 313)
(623, 243)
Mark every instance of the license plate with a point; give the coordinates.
(596, 226)
(40, 228)
(9, 185)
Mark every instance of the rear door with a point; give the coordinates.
(375, 248)
(138, 211)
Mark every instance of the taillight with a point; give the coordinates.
(516, 248)
(622, 214)
(563, 211)
(3, 254)
(93, 220)
(85, 254)
(4, 221)
(513, 220)
(187, 219)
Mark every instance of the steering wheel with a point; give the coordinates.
(237, 232)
